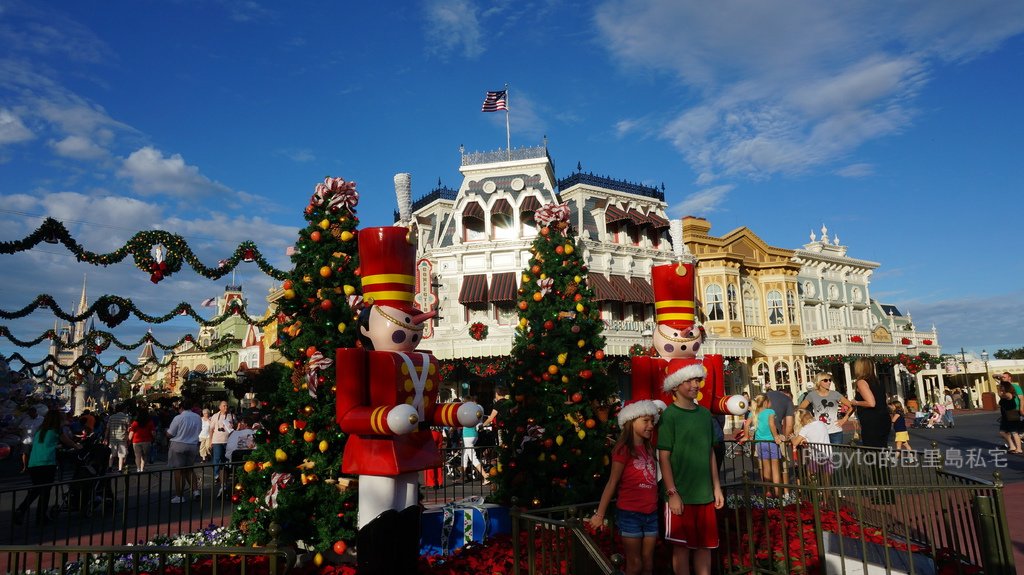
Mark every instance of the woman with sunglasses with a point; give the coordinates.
(824, 402)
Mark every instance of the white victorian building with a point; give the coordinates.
(776, 314)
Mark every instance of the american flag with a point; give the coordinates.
(209, 302)
(495, 101)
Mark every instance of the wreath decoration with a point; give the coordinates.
(99, 340)
(111, 311)
(478, 331)
(151, 255)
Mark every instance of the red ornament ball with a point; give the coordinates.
(340, 547)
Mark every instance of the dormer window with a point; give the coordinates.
(502, 224)
(473, 223)
(527, 225)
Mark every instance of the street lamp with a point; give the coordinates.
(984, 358)
(963, 359)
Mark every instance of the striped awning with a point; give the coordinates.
(638, 218)
(603, 290)
(645, 289)
(613, 214)
(530, 204)
(474, 289)
(503, 288)
(502, 207)
(626, 290)
(657, 221)
(473, 210)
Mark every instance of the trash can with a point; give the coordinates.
(988, 401)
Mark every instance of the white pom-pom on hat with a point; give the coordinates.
(638, 408)
(680, 370)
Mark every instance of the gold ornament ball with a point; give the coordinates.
(324, 224)
(280, 455)
(341, 326)
(324, 446)
(289, 294)
(307, 409)
(325, 271)
(346, 236)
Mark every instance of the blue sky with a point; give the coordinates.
(898, 125)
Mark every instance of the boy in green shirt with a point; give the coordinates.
(688, 470)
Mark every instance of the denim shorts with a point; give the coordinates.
(634, 524)
(768, 450)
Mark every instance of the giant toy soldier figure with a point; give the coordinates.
(677, 340)
(386, 400)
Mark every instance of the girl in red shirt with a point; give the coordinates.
(634, 473)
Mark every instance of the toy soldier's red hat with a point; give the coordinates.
(682, 369)
(387, 262)
(673, 294)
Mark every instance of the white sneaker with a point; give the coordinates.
(177, 499)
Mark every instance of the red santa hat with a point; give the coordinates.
(682, 369)
(638, 408)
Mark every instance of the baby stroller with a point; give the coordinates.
(920, 419)
(88, 488)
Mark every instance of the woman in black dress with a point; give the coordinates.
(875, 424)
(1009, 417)
(872, 412)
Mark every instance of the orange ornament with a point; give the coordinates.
(283, 428)
(591, 424)
(523, 305)
(599, 354)
(325, 271)
(537, 296)
(314, 236)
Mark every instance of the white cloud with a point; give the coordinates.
(12, 129)
(453, 25)
(701, 203)
(783, 87)
(302, 155)
(856, 171)
(151, 174)
(623, 127)
(79, 148)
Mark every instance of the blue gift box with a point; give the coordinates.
(467, 522)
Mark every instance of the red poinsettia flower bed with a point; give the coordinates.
(788, 533)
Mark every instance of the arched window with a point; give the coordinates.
(798, 372)
(501, 221)
(713, 302)
(473, 223)
(751, 307)
(791, 306)
(762, 371)
(730, 297)
(781, 373)
(774, 305)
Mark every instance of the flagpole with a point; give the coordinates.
(508, 133)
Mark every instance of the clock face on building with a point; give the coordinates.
(809, 290)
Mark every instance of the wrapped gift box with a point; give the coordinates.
(469, 522)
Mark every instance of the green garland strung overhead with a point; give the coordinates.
(171, 252)
(99, 340)
(89, 362)
(112, 310)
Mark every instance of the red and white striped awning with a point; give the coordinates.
(603, 290)
(474, 289)
(626, 290)
(613, 214)
(473, 210)
(530, 204)
(503, 288)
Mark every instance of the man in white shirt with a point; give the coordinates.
(29, 424)
(222, 424)
(183, 450)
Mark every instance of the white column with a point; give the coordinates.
(851, 389)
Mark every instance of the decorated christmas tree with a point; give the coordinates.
(292, 477)
(556, 434)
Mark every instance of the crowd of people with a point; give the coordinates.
(134, 435)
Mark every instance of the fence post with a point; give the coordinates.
(997, 555)
(514, 513)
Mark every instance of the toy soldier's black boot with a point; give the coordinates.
(407, 540)
(375, 545)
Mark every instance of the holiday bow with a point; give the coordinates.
(347, 198)
(545, 285)
(533, 433)
(278, 481)
(313, 366)
(550, 213)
